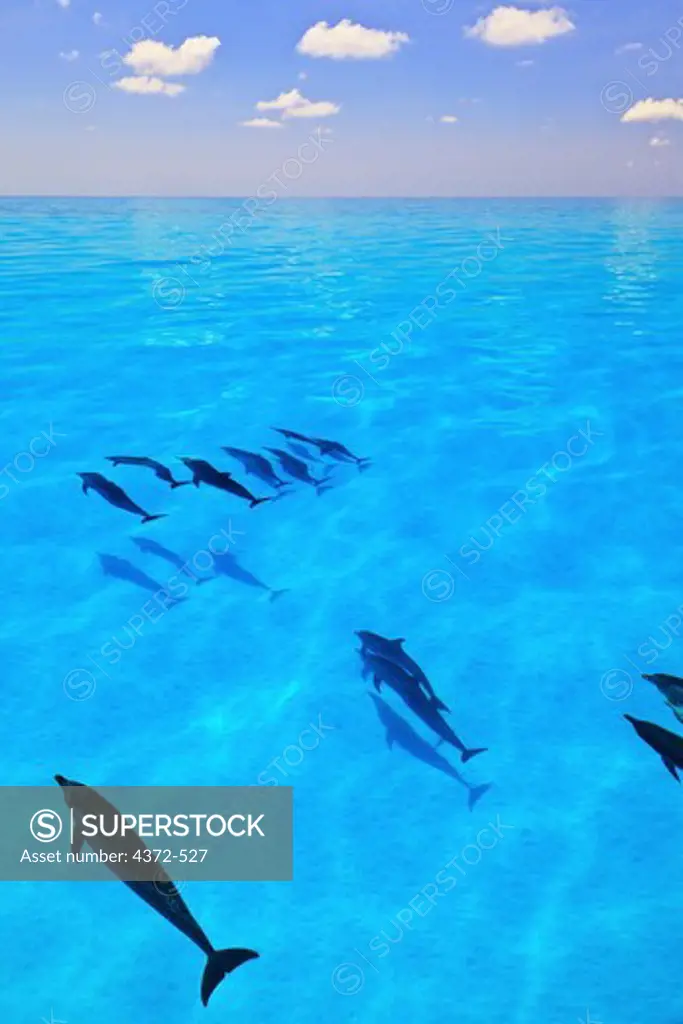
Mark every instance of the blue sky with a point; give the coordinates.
(539, 118)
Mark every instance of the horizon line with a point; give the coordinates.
(324, 198)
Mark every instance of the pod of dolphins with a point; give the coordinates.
(294, 463)
(383, 660)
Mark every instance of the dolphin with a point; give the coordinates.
(407, 688)
(338, 451)
(257, 465)
(671, 688)
(392, 650)
(160, 894)
(292, 435)
(667, 744)
(400, 732)
(302, 453)
(151, 547)
(122, 569)
(160, 470)
(298, 469)
(115, 495)
(227, 565)
(204, 473)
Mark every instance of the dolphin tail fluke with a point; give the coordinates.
(363, 464)
(467, 754)
(150, 519)
(258, 501)
(220, 963)
(113, 459)
(274, 594)
(322, 485)
(180, 483)
(476, 793)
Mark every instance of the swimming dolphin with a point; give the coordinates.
(160, 470)
(293, 436)
(151, 547)
(400, 732)
(257, 465)
(671, 688)
(226, 564)
(407, 688)
(298, 469)
(393, 651)
(115, 495)
(338, 451)
(302, 453)
(160, 894)
(667, 744)
(122, 569)
(204, 473)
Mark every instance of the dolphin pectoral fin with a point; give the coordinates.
(85, 488)
(220, 963)
(378, 684)
(438, 744)
(670, 767)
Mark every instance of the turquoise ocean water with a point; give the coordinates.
(520, 525)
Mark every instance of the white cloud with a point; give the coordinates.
(64, 3)
(293, 104)
(144, 86)
(347, 40)
(655, 110)
(448, 119)
(284, 100)
(512, 26)
(657, 141)
(98, 18)
(321, 109)
(70, 55)
(302, 76)
(261, 122)
(149, 57)
(628, 47)
(524, 63)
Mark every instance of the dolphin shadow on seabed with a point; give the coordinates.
(122, 569)
(152, 547)
(401, 733)
(227, 565)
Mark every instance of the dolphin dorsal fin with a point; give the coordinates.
(399, 641)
